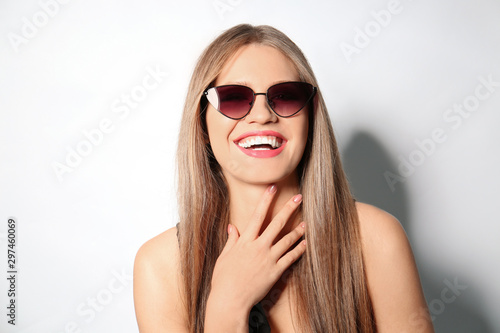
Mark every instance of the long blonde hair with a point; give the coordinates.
(328, 283)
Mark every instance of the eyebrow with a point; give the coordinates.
(245, 83)
(241, 83)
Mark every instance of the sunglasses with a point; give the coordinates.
(236, 101)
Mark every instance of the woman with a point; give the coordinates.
(270, 236)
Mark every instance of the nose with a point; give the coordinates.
(261, 111)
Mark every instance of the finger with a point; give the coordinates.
(279, 221)
(233, 236)
(292, 256)
(287, 241)
(260, 213)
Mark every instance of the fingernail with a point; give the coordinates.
(297, 198)
(229, 228)
(272, 189)
(304, 242)
(303, 225)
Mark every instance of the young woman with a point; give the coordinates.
(270, 237)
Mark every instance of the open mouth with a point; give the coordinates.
(261, 142)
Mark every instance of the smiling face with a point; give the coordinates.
(261, 148)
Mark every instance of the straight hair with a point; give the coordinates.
(328, 283)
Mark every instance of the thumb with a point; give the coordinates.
(233, 236)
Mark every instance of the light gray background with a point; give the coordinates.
(78, 233)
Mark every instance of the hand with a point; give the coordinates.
(249, 265)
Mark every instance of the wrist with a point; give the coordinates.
(224, 315)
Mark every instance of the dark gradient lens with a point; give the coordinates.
(235, 101)
(286, 99)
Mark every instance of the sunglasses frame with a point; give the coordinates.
(314, 91)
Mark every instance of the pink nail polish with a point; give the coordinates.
(229, 228)
(297, 198)
(272, 189)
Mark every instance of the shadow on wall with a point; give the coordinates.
(365, 161)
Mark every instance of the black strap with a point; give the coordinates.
(257, 321)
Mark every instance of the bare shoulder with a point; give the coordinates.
(158, 285)
(392, 276)
(380, 231)
(158, 249)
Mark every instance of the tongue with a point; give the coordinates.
(264, 146)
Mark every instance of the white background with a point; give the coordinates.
(65, 74)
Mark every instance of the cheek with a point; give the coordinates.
(218, 128)
(302, 130)
(213, 126)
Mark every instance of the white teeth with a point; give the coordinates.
(260, 140)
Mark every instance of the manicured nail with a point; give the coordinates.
(304, 242)
(229, 228)
(303, 225)
(272, 189)
(297, 198)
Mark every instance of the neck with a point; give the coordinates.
(245, 197)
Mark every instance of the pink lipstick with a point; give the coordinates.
(261, 144)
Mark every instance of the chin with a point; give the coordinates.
(266, 177)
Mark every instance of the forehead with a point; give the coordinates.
(257, 66)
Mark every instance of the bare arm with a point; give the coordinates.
(393, 282)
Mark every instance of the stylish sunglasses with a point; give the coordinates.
(236, 101)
